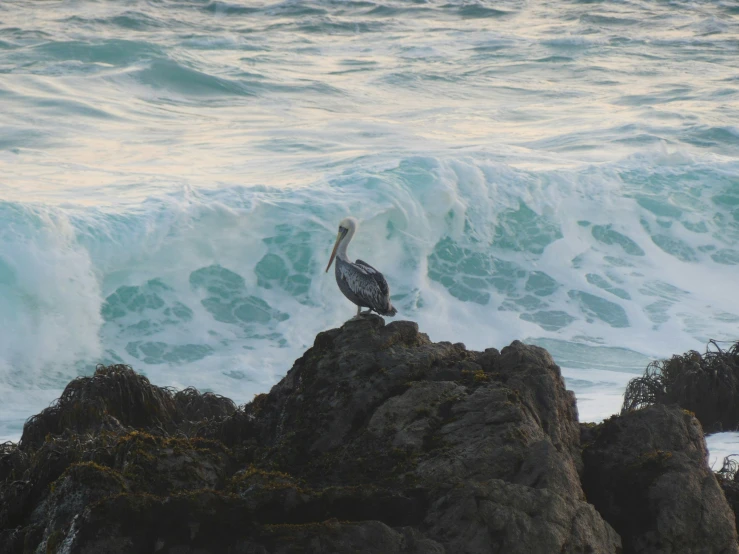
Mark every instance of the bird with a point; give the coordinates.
(359, 281)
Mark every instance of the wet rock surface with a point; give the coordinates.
(730, 486)
(376, 441)
(647, 473)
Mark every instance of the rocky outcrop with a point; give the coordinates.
(488, 442)
(647, 473)
(376, 441)
(730, 486)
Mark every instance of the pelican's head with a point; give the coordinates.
(347, 227)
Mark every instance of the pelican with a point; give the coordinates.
(359, 281)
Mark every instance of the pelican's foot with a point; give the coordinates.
(361, 314)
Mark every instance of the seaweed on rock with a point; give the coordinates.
(114, 397)
(196, 406)
(728, 478)
(729, 468)
(707, 385)
(117, 399)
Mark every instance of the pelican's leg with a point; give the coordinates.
(359, 311)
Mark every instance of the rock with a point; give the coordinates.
(380, 405)
(497, 516)
(731, 492)
(163, 466)
(79, 486)
(376, 441)
(368, 537)
(646, 472)
(210, 522)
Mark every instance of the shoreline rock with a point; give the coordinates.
(646, 473)
(376, 441)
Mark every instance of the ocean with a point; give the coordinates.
(172, 174)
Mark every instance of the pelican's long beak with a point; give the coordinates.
(339, 236)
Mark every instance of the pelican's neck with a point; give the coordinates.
(341, 251)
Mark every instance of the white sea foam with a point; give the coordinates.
(222, 290)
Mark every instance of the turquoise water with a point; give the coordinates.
(173, 172)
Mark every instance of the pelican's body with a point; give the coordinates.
(359, 281)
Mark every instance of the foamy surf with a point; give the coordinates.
(222, 290)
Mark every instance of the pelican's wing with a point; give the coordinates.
(363, 284)
(376, 275)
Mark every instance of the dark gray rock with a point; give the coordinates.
(79, 486)
(490, 439)
(647, 474)
(498, 516)
(730, 486)
(376, 441)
